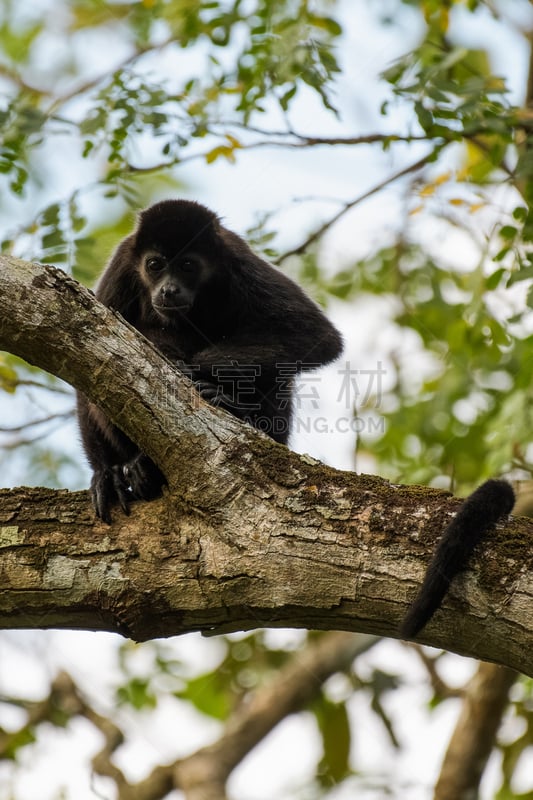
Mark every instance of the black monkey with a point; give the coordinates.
(236, 325)
(490, 502)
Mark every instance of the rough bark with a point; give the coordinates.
(249, 533)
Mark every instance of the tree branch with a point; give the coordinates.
(472, 741)
(249, 535)
(203, 775)
(319, 232)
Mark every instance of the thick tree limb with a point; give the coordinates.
(472, 741)
(249, 535)
(203, 775)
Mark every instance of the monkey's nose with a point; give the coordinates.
(170, 295)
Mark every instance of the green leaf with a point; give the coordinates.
(334, 727)
(495, 279)
(137, 693)
(16, 741)
(520, 213)
(287, 97)
(8, 379)
(522, 274)
(208, 695)
(425, 117)
(508, 232)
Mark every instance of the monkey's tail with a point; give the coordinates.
(493, 500)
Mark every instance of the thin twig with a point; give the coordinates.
(35, 422)
(422, 162)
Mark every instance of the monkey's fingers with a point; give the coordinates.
(143, 477)
(107, 488)
(121, 491)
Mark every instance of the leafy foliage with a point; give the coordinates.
(334, 727)
(449, 420)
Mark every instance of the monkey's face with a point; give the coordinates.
(174, 283)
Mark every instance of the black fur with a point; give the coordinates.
(236, 325)
(480, 512)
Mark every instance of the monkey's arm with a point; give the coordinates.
(273, 347)
(488, 504)
(121, 473)
(105, 451)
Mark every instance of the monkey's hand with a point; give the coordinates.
(107, 488)
(143, 477)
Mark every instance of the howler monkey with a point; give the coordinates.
(236, 325)
(490, 502)
(241, 330)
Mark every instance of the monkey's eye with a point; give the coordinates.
(187, 265)
(155, 263)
